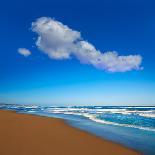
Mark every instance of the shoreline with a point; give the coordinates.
(26, 134)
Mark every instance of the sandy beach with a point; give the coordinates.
(22, 134)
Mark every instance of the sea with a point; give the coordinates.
(131, 126)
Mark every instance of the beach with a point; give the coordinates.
(22, 134)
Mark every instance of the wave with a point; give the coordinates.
(93, 118)
(127, 115)
(119, 116)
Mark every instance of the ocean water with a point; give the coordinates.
(133, 126)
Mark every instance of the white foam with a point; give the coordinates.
(33, 106)
(148, 115)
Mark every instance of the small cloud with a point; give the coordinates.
(25, 52)
(59, 42)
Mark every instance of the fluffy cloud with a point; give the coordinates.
(58, 41)
(25, 52)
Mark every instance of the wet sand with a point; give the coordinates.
(22, 134)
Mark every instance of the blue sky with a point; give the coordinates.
(127, 27)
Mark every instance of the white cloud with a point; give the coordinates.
(25, 52)
(58, 41)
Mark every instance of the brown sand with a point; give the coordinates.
(22, 134)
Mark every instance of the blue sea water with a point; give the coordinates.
(134, 127)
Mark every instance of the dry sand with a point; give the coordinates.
(22, 134)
